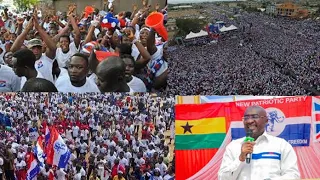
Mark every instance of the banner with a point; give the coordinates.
(316, 118)
(289, 118)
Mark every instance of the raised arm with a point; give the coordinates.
(77, 37)
(145, 56)
(134, 10)
(52, 46)
(20, 39)
(151, 42)
(62, 32)
(19, 28)
(93, 62)
(90, 34)
(56, 19)
(44, 20)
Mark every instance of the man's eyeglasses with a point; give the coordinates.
(75, 66)
(253, 117)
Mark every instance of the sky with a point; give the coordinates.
(192, 1)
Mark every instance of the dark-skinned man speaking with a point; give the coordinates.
(270, 157)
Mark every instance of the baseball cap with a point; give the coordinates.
(34, 42)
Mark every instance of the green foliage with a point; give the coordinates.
(318, 11)
(266, 4)
(24, 5)
(187, 25)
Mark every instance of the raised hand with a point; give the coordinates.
(30, 24)
(134, 7)
(20, 20)
(35, 21)
(157, 6)
(145, 3)
(121, 14)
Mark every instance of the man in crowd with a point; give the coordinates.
(54, 41)
(113, 146)
(76, 80)
(111, 76)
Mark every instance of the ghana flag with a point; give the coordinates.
(200, 130)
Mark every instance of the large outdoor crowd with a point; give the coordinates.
(111, 136)
(265, 56)
(69, 52)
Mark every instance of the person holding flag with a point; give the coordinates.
(58, 153)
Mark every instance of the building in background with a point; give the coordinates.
(253, 4)
(288, 9)
(271, 9)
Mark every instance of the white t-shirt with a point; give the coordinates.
(137, 85)
(63, 72)
(139, 162)
(9, 81)
(163, 168)
(103, 173)
(135, 52)
(77, 176)
(63, 84)
(44, 65)
(85, 134)
(69, 134)
(157, 55)
(83, 172)
(167, 177)
(75, 131)
(63, 22)
(124, 162)
(24, 79)
(84, 147)
(63, 58)
(61, 174)
(20, 165)
(46, 26)
(1, 163)
(2, 46)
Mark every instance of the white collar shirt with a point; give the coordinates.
(273, 158)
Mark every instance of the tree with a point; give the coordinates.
(24, 5)
(318, 11)
(187, 25)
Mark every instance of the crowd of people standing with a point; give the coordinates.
(69, 52)
(111, 136)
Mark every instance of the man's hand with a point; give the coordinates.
(157, 6)
(134, 7)
(145, 3)
(30, 24)
(20, 20)
(247, 148)
(36, 22)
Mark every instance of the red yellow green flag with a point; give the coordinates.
(200, 130)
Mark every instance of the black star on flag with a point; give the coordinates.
(187, 128)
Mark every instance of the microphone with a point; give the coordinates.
(249, 139)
